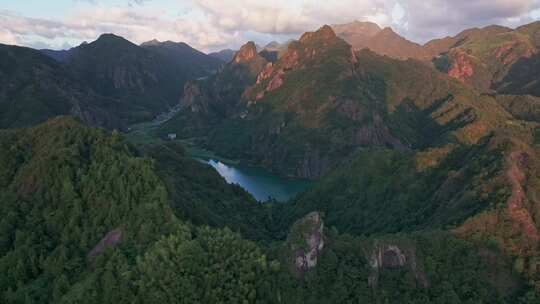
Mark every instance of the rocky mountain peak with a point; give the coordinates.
(387, 31)
(324, 33)
(109, 36)
(247, 52)
(111, 40)
(368, 29)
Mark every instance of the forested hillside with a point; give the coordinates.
(87, 220)
(34, 87)
(109, 82)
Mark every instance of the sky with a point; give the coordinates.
(211, 25)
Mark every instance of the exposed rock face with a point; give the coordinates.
(313, 165)
(305, 242)
(483, 58)
(218, 95)
(266, 73)
(275, 82)
(111, 239)
(193, 98)
(461, 68)
(324, 33)
(247, 52)
(387, 256)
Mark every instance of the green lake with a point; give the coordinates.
(259, 182)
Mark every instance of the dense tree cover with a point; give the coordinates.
(389, 191)
(34, 87)
(63, 188)
(66, 188)
(454, 273)
(198, 194)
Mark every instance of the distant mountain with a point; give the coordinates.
(35, 87)
(357, 33)
(58, 55)
(271, 51)
(143, 81)
(276, 47)
(109, 82)
(381, 41)
(483, 57)
(523, 77)
(223, 55)
(187, 59)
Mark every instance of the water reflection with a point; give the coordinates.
(262, 184)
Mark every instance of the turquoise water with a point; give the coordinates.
(261, 183)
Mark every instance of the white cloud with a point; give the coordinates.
(7, 37)
(134, 24)
(290, 17)
(436, 18)
(215, 24)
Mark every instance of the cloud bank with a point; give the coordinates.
(216, 24)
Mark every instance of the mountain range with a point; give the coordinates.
(425, 161)
(110, 82)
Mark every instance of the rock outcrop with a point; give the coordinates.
(305, 243)
(324, 33)
(461, 68)
(389, 255)
(246, 53)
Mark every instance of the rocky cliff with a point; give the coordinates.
(388, 256)
(305, 243)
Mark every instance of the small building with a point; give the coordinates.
(171, 136)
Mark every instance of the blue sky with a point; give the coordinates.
(216, 24)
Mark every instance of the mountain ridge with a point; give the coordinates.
(110, 82)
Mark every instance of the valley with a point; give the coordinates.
(259, 182)
(349, 165)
